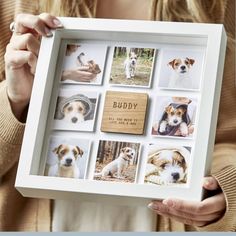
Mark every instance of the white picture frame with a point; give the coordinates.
(209, 38)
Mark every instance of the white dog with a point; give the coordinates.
(74, 112)
(130, 65)
(66, 166)
(167, 166)
(180, 73)
(119, 164)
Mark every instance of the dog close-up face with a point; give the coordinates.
(74, 112)
(133, 58)
(181, 65)
(174, 115)
(67, 154)
(128, 153)
(171, 166)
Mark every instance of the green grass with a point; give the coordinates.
(142, 75)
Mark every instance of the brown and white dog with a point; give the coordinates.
(180, 73)
(130, 64)
(118, 165)
(167, 166)
(66, 165)
(74, 111)
(175, 116)
(92, 66)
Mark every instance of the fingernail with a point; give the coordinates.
(153, 206)
(168, 203)
(48, 32)
(57, 23)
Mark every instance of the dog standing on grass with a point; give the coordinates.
(130, 64)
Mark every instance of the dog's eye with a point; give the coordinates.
(186, 62)
(176, 64)
(80, 109)
(172, 113)
(163, 165)
(75, 152)
(178, 113)
(69, 108)
(62, 152)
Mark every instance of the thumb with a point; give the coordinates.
(210, 183)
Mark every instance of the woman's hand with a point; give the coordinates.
(79, 75)
(193, 213)
(21, 57)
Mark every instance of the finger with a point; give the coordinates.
(84, 68)
(185, 221)
(209, 205)
(25, 42)
(210, 183)
(196, 217)
(17, 59)
(39, 24)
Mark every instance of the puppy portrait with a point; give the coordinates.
(67, 157)
(116, 161)
(85, 58)
(167, 165)
(174, 116)
(180, 76)
(75, 111)
(132, 66)
(181, 69)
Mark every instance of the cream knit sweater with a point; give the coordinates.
(24, 214)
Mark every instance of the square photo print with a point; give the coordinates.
(67, 157)
(117, 161)
(84, 63)
(75, 110)
(174, 117)
(132, 66)
(167, 165)
(181, 69)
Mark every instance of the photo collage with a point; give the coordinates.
(132, 111)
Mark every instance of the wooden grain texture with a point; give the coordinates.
(124, 112)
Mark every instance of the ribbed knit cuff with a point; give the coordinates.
(11, 130)
(227, 182)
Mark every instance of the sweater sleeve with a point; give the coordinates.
(11, 133)
(224, 170)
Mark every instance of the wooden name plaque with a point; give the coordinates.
(124, 112)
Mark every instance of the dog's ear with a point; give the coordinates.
(181, 159)
(57, 149)
(168, 108)
(171, 63)
(191, 61)
(80, 151)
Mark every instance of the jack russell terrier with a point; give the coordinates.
(167, 166)
(180, 73)
(66, 166)
(130, 64)
(118, 165)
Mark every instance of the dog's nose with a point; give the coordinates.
(175, 121)
(74, 120)
(182, 67)
(175, 175)
(68, 161)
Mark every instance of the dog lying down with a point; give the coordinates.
(167, 166)
(116, 167)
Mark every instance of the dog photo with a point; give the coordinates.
(67, 157)
(117, 161)
(83, 63)
(174, 116)
(132, 66)
(167, 165)
(181, 69)
(75, 110)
